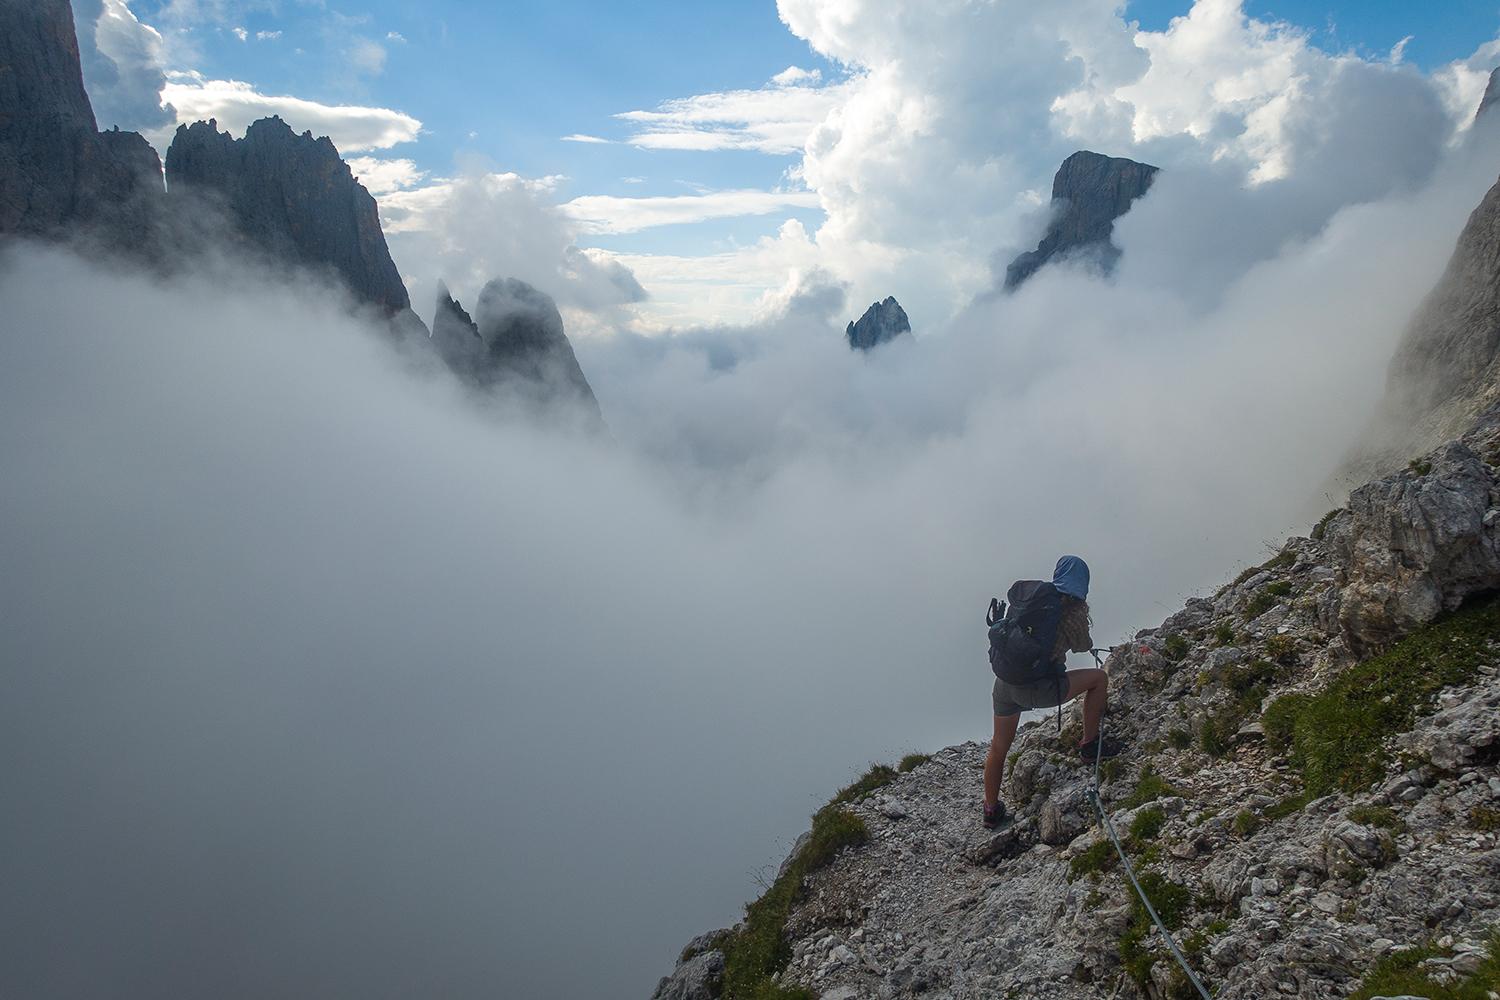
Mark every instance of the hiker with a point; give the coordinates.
(1057, 685)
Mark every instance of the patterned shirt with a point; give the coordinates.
(1072, 630)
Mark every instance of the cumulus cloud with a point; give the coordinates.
(484, 225)
(381, 176)
(236, 105)
(121, 60)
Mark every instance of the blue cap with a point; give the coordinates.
(1072, 577)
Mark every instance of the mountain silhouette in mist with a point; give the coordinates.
(1089, 192)
(881, 322)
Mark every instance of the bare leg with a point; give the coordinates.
(1095, 683)
(994, 764)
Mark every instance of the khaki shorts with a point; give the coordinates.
(1012, 699)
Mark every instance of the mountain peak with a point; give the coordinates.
(881, 322)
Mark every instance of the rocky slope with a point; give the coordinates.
(1300, 808)
(58, 173)
(515, 343)
(881, 322)
(1089, 192)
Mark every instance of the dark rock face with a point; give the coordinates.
(1089, 192)
(57, 171)
(881, 322)
(515, 343)
(293, 197)
(1446, 369)
(1491, 93)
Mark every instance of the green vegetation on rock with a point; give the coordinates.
(1397, 974)
(1336, 736)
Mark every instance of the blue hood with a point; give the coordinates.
(1072, 577)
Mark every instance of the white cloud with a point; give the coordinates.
(395, 36)
(795, 75)
(266, 36)
(384, 176)
(236, 105)
(365, 57)
(121, 61)
(609, 214)
(776, 120)
(240, 33)
(480, 226)
(578, 137)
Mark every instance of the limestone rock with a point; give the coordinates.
(1089, 192)
(699, 969)
(292, 197)
(1413, 544)
(881, 322)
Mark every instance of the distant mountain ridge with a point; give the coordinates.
(1089, 192)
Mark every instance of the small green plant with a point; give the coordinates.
(1419, 466)
(1224, 635)
(1482, 818)
(1111, 769)
(1175, 647)
(912, 761)
(1146, 825)
(1322, 525)
(1148, 788)
(1151, 748)
(1259, 605)
(1093, 862)
(1287, 806)
(1280, 589)
(1094, 899)
(1281, 560)
(1377, 816)
(1180, 738)
(1245, 823)
(1281, 648)
(1213, 738)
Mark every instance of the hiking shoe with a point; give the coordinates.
(994, 815)
(1101, 748)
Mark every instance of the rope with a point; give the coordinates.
(1093, 796)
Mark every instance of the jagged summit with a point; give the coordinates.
(1089, 192)
(515, 343)
(293, 197)
(881, 322)
(1491, 93)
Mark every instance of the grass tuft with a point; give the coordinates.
(1172, 903)
(912, 761)
(1148, 788)
(1322, 525)
(1397, 974)
(1175, 647)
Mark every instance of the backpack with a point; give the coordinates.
(1021, 642)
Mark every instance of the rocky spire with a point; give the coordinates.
(1089, 192)
(881, 322)
(514, 344)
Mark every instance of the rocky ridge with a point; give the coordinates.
(881, 322)
(1089, 192)
(1278, 880)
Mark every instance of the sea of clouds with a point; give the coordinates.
(320, 679)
